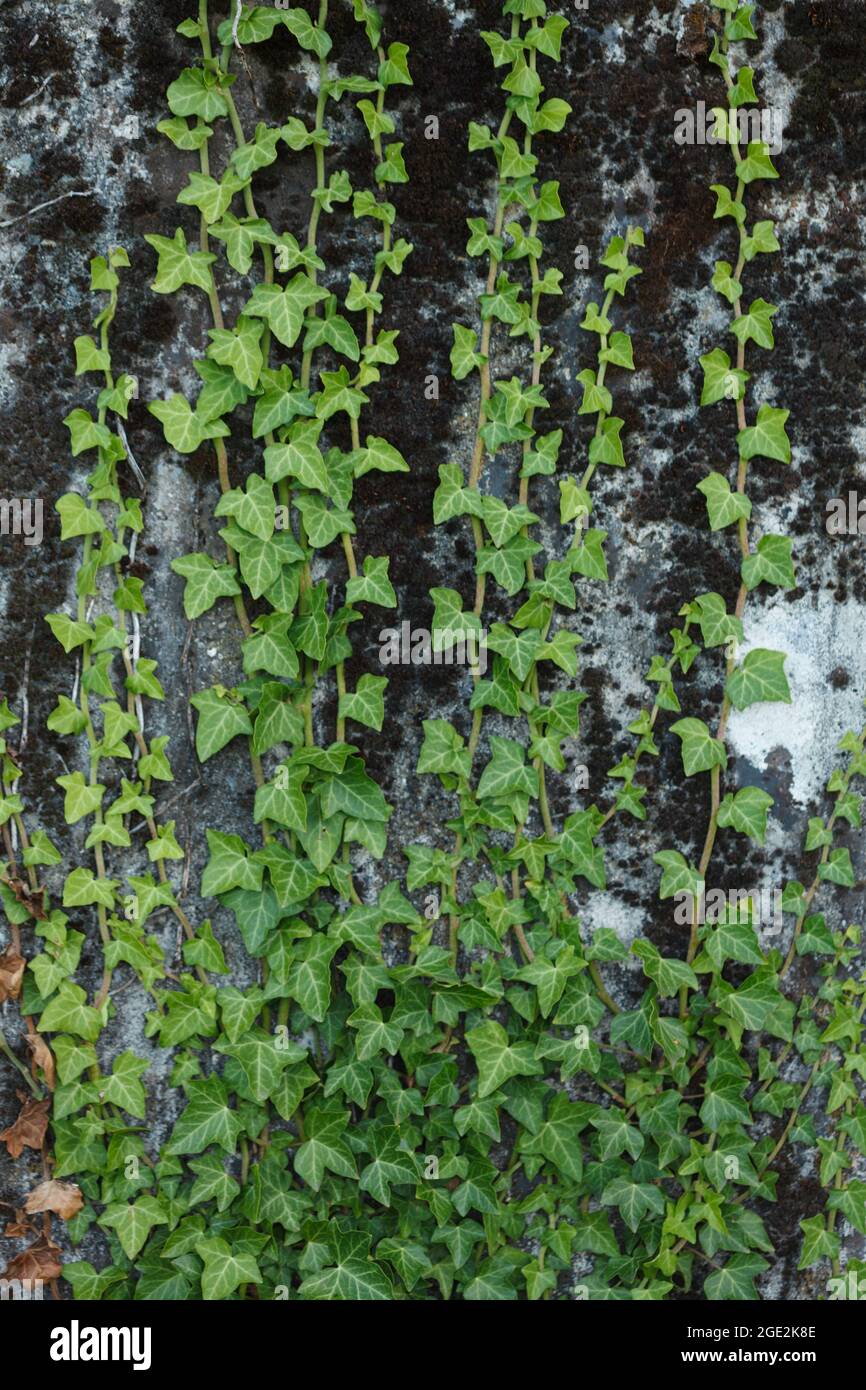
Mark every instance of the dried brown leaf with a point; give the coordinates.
(63, 1198)
(41, 1260)
(28, 1131)
(43, 1057)
(11, 974)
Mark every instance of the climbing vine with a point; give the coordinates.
(434, 1087)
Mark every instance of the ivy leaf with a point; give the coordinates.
(497, 1059)
(838, 869)
(366, 704)
(90, 358)
(229, 866)
(212, 198)
(576, 843)
(82, 798)
(69, 1012)
(443, 749)
(196, 93)
(507, 771)
(737, 1279)
(324, 1148)
(299, 457)
(771, 563)
(464, 355)
(373, 586)
(746, 811)
(724, 507)
(212, 1182)
(634, 1200)
(262, 1059)
(732, 941)
(757, 164)
(390, 1164)
(595, 398)
(285, 308)
(308, 34)
(177, 266)
(815, 939)
(766, 438)
(310, 977)
(755, 326)
(726, 206)
(762, 239)
(220, 720)
(678, 876)
(717, 626)
(239, 349)
(667, 973)
(760, 677)
(724, 283)
(183, 135)
(124, 1088)
(224, 1269)
(252, 508)
(723, 1102)
(86, 433)
(134, 1221)
(184, 429)
(757, 1005)
(353, 1277)
(721, 380)
(206, 581)
(588, 558)
(378, 454)
(221, 391)
(818, 1242)
(606, 446)
(204, 950)
(700, 751)
(255, 154)
(207, 1119)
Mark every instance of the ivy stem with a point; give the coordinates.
(743, 541)
(20, 1067)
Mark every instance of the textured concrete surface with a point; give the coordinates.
(81, 90)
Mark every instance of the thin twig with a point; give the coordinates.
(40, 207)
(25, 703)
(38, 92)
(130, 458)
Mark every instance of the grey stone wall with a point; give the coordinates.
(81, 90)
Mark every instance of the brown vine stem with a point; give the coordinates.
(476, 468)
(816, 881)
(743, 539)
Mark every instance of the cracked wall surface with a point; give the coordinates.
(81, 90)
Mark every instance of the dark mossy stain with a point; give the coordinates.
(616, 161)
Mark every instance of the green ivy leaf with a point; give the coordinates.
(760, 677)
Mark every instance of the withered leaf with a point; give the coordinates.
(63, 1198)
(28, 1131)
(41, 1260)
(14, 1230)
(33, 899)
(11, 974)
(43, 1057)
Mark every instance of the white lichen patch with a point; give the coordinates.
(819, 636)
